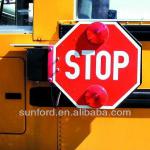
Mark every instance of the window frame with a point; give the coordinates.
(14, 28)
(105, 20)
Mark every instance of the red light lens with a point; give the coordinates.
(97, 33)
(96, 96)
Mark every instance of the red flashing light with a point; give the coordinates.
(97, 33)
(96, 96)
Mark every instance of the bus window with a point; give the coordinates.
(113, 9)
(16, 12)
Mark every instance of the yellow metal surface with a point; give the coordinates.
(12, 81)
(63, 133)
(34, 132)
(40, 134)
(145, 65)
(47, 13)
(7, 39)
(106, 133)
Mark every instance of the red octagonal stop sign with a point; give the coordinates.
(95, 67)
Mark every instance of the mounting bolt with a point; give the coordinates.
(57, 69)
(57, 59)
(50, 48)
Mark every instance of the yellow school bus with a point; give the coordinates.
(30, 105)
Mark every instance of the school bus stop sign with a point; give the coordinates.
(97, 65)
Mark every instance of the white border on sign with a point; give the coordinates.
(138, 66)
